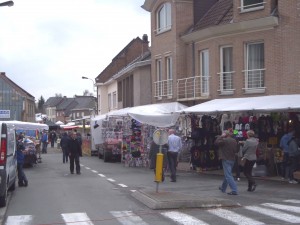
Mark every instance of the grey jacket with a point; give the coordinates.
(249, 148)
(227, 146)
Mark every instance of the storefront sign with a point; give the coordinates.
(4, 114)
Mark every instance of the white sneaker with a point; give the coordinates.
(293, 182)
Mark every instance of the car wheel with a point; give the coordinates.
(3, 198)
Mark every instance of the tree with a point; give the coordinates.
(87, 93)
(41, 103)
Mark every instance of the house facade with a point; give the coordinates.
(15, 102)
(125, 82)
(207, 49)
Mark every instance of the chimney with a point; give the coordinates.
(145, 38)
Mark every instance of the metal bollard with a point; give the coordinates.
(159, 167)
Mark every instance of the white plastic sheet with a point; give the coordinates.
(158, 115)
(269, 103)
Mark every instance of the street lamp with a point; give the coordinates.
(8, 3)
(95, 90)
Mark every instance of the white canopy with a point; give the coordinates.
(269, 103)
(59, 123)
(158, 115)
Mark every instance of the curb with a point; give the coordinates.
(173, 200)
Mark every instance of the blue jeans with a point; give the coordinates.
(21, 175)
(228, 178)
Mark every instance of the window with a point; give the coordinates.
(226, 74)
(164, 18)
(255, 66)
(114, 99)
(169, 76)
(158, 86)
(204, 72)
(109, 101)
(250, 5)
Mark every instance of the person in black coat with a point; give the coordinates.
(64, 146)
(74, 153)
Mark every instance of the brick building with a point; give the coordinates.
(207, 49)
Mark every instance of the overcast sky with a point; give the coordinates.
(46, 46)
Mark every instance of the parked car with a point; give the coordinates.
(8, 161)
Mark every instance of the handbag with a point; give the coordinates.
(243, 161)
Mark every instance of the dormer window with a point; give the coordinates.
(251, 5)
(164, 18)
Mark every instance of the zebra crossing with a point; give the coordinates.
(266, 213)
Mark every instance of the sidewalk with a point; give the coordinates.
(191, 192)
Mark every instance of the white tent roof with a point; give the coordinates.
(260, 104)
(158, 115)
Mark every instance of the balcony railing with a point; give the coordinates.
(226, 82)
(193, 88)
(163, 88)
(255, 80)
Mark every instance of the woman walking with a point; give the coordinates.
(249, 154)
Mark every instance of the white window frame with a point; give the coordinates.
(204, 72)
(164, 18)
(159, 87)
(226, 72)
(251, 73)
(114, 99)
(169, 68)
(252, 7)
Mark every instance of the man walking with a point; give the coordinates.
(227, 149)
(44, 141)
(175, 146)
(64, 146)
(74, 153)
(22, 179)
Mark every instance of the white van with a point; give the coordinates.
(8, 160)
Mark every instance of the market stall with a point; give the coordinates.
(269, 116)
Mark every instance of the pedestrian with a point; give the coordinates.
(154, 149)
(285, 149)
(44, 140)
(74, 153)
(294, 154)
(227, 147)
(64, 146)
(249, 155)
(174, 147)
(52, 138)
(22, 179)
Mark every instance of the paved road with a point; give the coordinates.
(272, 203)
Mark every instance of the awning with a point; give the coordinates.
(158, 115)
(271, 103)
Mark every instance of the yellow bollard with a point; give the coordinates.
(159, 167)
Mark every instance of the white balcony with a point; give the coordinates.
(163, 88)
(193, 88)
(254, 81)
(226, 83)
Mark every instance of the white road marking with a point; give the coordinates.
(181, 218)
(292, 201)
(122, 185)
(275, 214)
(94, 171)
(77, 218)
(133, 190)
(234, 217)
(101, 175)
(289, 208)
(128, 218)
(88, 168)
(111, 180)
(19, 220)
